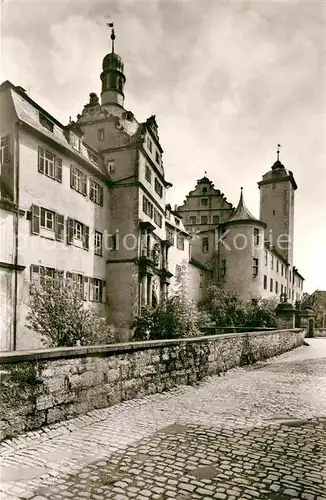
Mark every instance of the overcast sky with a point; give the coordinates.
(227, 81)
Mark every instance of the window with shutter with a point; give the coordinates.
(58, 169)
(86, 237)
(47, 219)
(72, 177)
(97, 290)
(96, 192)
(86, 288)
(78, 283)
(84, 185)
(70, 231)
(41, 155)
(104, 292)
(35, 219)
(34, 278)
(98, 240)
(91, 289)
(59, 227)
(59, 275)
(4, 149)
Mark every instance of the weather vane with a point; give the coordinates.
(111, 25)
(278, 151)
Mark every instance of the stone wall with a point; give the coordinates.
(320, 332)
(45, 386)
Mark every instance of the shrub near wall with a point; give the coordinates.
(46, 386)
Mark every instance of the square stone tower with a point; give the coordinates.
(277, 189)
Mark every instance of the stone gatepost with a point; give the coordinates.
(285, 314)
(308, 321)
(297, 320)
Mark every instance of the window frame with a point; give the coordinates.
(78, 230)
(96, 192)
(256, 236)
(111, 165)
(265, 283)
(97, 288)
(98, 243)
(44, 212)
(4, 149)
(170, 235)
(148, 207)
(45, 121)
(180, 242)
(77, 174)
(255, 266)
(158, 188)
(205, 244)
(148, 174)
(158, 219)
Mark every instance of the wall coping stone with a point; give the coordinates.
(122, 348)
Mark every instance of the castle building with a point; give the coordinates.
(86, 202)
(253, 257)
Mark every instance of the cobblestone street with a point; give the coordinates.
(255, 432)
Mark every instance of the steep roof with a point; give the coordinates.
(28, 112)
(320, 296)
(242, 214)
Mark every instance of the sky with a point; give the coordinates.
(227, 82)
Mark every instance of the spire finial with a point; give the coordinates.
(111, 25)
(278, 152)
(205, 172)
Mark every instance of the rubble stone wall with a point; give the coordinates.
(41, 387)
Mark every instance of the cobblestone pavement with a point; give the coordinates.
(255, 432)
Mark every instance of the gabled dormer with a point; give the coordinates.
(74, 134)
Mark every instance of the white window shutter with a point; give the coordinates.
(104, 292)
(91, 295)
(86, 288)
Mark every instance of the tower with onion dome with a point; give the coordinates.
(112, 76)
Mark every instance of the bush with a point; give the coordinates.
(260, 313)
(226, 309)
(178, 318)
(223, 306)
(59, 315)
